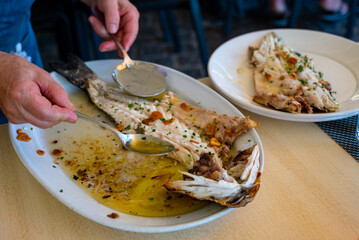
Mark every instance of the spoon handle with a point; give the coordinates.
(97, 13)
(95, 121)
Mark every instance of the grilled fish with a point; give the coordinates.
(202, 138)
(288, 81)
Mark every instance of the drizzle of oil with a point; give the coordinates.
(125, 181)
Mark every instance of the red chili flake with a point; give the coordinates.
(210, 130)
(293, 76)
(281, 54)
(185, 107)
(228, 133)
(291, 61)
(267, 76)
(120, 127)
(155, 115)
(113, 215)
(168, 121)
(22, 136)
(40, 152)
(57, 152)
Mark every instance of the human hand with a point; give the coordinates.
(121, 19)
(28, 94)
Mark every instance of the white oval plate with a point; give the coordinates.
(54, 179)
(336, 57)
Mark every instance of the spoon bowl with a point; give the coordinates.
(137, 78)
(139, 143)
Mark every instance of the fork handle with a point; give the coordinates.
(95, 121)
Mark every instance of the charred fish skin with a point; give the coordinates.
(75, 71)
(202, 138)
(288, 81)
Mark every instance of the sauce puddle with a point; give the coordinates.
(125, 181)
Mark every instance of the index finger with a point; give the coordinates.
(38, 108)
(130, 28)
(112, 16)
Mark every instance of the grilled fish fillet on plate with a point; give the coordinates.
(202, 138)
(286, 80)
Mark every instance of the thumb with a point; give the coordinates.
(64, 114)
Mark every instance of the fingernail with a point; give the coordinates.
(72, 118)
(91, 20)
(70, 105)
(112, 28)
(104, 49)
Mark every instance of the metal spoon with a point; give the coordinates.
(137, 78)
(140, 143)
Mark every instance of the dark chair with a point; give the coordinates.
(169, 24)
(297, 8)
(237, 8)
(67, 21)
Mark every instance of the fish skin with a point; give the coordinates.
(186, 132)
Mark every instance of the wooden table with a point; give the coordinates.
(309, 190)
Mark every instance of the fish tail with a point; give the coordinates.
(75, 71)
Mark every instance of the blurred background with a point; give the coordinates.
(180, 34)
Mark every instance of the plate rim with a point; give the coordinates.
(270, 112)
(141, 228)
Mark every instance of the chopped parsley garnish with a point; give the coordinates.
(305, 81)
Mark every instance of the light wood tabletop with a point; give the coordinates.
(309, 190)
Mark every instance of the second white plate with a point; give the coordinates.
(336, 57)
